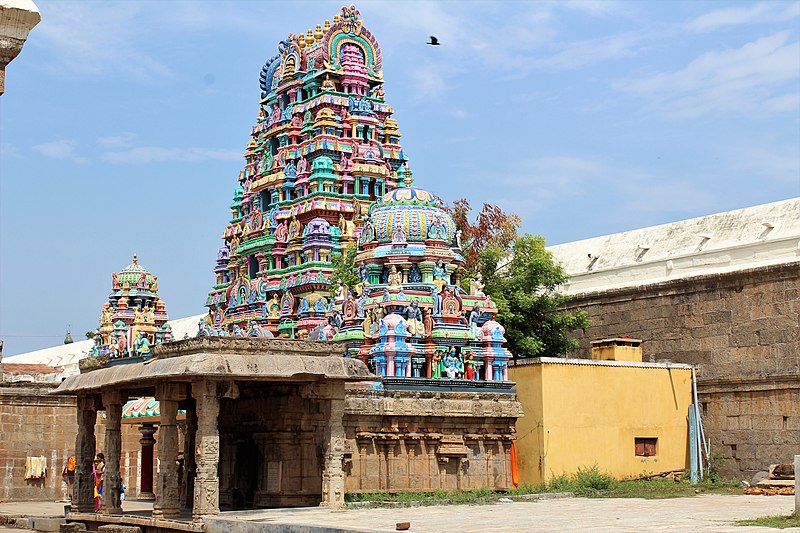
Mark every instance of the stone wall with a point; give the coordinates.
(423, 441)
(34, 424)
(271, 452)
(270, 447)
(742, 331)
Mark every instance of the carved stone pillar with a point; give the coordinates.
(83, 489)
(112, 402)
(206, 484)
(189, 467)
(167, 504)
(146, 475)
(333, 444)
(426, 267)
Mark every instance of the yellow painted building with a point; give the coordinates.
(627, 417)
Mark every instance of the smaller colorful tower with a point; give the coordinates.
(134, 317)
(408, 317)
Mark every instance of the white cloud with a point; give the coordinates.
(154, 154)
(542, 183)
(581, 53)
(751, 79)
(9, 150)
(99, 40)
(62, 149)
(595, 8)
(484, 40)
(428, 81)
(458, 140)
(733, 16)
(769, 161)
(123, 140)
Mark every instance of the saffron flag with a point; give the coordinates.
(514, 466)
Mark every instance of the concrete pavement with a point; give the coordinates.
(716, 513)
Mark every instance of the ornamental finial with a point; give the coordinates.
(409, 179)
(135, 259)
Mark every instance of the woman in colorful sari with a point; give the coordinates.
(98, 469)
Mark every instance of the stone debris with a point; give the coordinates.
(779, 481)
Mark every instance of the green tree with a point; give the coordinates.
(344, 268)
(522, 283)
(524, 286)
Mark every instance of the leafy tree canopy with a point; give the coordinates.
(529, 305)
(523, 283)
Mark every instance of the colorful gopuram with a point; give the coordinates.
(323, 148)
(134, 317)
(408, 316)
(324, 169)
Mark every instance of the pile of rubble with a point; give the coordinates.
(779, 480)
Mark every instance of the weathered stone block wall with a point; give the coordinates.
(34, 424)
(741, 330)
(752, 423)
(403, 441)
(271, 452)
(270, 448)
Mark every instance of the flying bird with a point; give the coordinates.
(434, 41)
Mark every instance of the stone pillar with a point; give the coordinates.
(146, 475)
(333, 445)
(112, 402)
(187, 490)
(426, 267)
(17, 19)
(797, 485)
(167, 504)
(83, 489)
(487, 363)
(206, 484)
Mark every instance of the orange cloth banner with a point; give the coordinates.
(514, 467)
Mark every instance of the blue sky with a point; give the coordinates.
(123, 124)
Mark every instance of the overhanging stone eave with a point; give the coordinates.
(215, 366)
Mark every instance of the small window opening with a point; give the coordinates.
(645, 446)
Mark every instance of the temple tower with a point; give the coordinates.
(324, 147)
(134, 317)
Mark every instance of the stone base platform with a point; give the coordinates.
(420, 435)
(144, 521)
